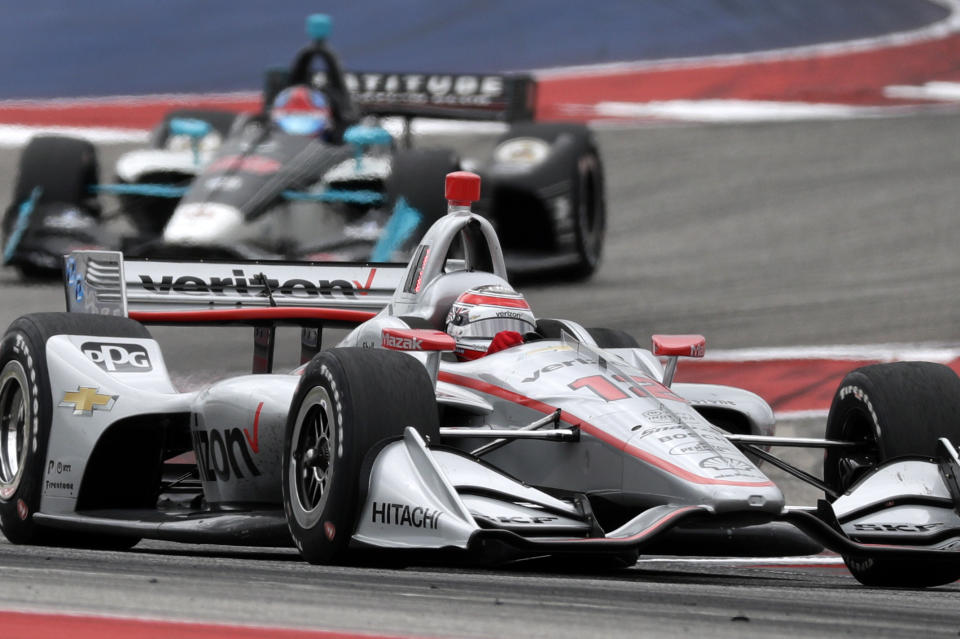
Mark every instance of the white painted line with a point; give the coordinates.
(735, 110)
(14, 135)
(935, 31)
(125, 100)
(941, 353)
(813, 560)
(945, 91)
(801, 415)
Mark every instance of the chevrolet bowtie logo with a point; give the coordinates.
(85, 400)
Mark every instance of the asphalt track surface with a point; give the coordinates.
(768, 234)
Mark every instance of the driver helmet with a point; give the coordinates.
(480, 313)
(300, 110)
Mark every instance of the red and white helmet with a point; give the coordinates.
(482, 312)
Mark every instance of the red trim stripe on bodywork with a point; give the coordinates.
(667, 518)
(592, 430)
(493, 300)
(248, 314)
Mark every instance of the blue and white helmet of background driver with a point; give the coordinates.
(300, 110)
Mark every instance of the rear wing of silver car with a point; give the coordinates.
(262, 294)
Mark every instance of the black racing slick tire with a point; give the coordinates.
(63, 169)
(348, 401)
(26, 415)
(584, 169)
(893, 410)
(590, 213)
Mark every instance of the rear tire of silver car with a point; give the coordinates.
(895, 410)
(348, 401)
(26, 415)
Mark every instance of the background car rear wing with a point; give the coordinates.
(460, 96)
(262, 294)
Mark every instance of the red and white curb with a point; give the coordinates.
(799, 382)
(46, 625)
(879, 76)
(887, 75)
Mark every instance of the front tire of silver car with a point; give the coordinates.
(348, 401)
(26, 417)
(892, 410)
(312, 462)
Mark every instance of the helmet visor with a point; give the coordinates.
(488, 327)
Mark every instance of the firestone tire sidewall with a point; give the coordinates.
(370, 395)
(907, 406)
(904, 408)
(322, 535)
(18, 505)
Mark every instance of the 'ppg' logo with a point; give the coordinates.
(122, 358)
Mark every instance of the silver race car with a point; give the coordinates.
(449, 422)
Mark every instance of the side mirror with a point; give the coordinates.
(420, 340)
(674, 347)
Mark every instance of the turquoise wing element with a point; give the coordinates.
(20, 226)
(147, 190)
(336, 195)
(398, 229)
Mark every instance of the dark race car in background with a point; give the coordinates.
(218, 184)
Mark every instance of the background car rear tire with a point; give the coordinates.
(591, 213)
(348, 401)
(587, 193)
(897, 410)
(64, 169)
(26, 415)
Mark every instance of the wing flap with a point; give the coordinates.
(159, 291)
